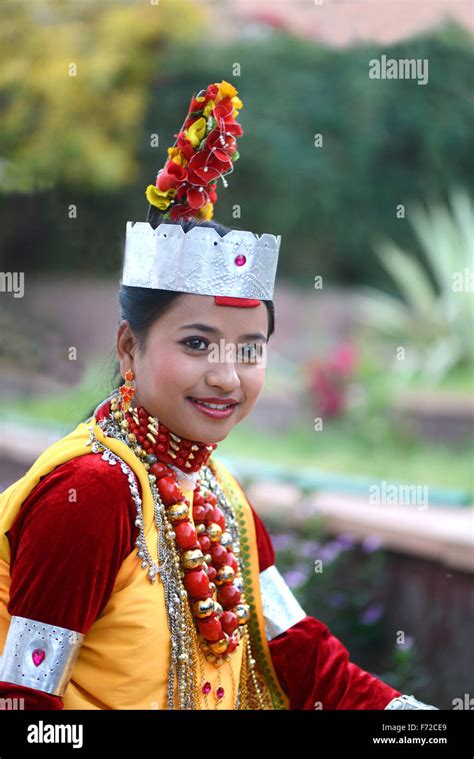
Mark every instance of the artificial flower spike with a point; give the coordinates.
(205, 150)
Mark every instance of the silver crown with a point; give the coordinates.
(240, 264)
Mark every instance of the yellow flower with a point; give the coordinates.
(206, 212)
(237, 103)
(177, 157)
(196, 132)
(159, 198)
(225, 89)
(208, 109)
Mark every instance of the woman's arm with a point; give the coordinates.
(67, 545)
(312, 665)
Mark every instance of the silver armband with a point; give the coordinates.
(281, 610)
(408, 702)
(38, 655)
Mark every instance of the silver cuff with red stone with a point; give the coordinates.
(281, 610)
(39, 656)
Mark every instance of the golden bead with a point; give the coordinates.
(200, 528)
(207, 558)
(192, 558)
(203, 608)
(219, 646)
(242, 612)
(178, 512)
(225, 575)
(152, 429)
(124, 424)
(150, 437)
(214, 532)
(131, 437)
(117, 415)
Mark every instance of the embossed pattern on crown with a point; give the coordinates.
(241, 264)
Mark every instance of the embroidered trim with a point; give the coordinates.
(39, 656)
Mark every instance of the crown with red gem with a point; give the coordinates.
(239, 268)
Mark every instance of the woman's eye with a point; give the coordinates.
(194, 340)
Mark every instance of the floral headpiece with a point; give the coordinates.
(204, 151)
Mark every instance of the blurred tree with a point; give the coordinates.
(74, 85)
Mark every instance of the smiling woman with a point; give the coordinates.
(134, 572)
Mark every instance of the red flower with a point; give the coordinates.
(172, 175)
(224, 110)
(222, 146)
(180, 211)
(197, 198)
(204, 168)
(185, 146)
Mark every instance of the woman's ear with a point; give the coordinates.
(126, 346)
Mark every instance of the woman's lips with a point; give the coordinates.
(214, 413)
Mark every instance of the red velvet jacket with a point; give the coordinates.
(65, 558)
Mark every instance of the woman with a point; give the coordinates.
(134, 572)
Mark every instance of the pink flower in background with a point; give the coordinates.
(329, 379)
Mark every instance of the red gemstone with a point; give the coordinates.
(220, 692)
(229, 622)
(38, 656)
(228, 595)
(210, 628)
(240, 259)
(186, 536)
(219, 554)
(197, 583)
(206, 687)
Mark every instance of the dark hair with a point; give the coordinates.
(141, 306)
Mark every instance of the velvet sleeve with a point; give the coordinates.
(67, 545)
(312, 665)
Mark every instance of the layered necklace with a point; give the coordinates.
(197, 563)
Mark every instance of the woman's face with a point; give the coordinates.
(182, 362)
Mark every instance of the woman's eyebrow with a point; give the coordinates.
(215, 331)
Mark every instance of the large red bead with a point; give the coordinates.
(210, 628)
(205, 543)
(229, 622)
(199, 512)
(219, 517)
(211, 573)
(219, 554)
(199, 499)
(212, 499)
(209, 513)
(232, 561)
(186, 536)
(160, 470)
(169, 491)
(228, 595)
(197, 584)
